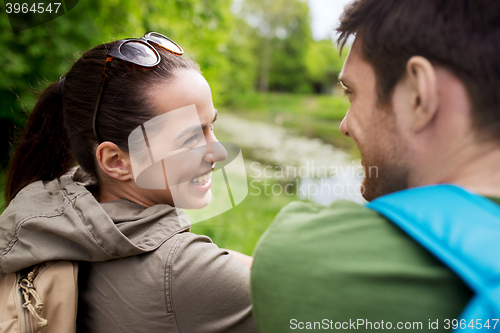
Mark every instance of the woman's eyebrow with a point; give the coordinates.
(205, 126)
(215, 118)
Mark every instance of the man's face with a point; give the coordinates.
(374, 129)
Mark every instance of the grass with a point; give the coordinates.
(241, 227)
(324, 107)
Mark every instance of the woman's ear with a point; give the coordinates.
(113, 161)
(422, 79)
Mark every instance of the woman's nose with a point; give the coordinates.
(216, 152)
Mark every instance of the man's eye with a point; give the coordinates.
(347, 92)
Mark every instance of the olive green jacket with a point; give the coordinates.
(141, 270)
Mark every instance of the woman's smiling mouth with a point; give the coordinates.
(202, 182)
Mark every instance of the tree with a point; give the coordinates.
(289, 72)
(276, 21)
(324, 64)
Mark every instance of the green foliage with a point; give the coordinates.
(282, 34)
(276, 51)
(324, 64)
(37, 56)
(241, 76)
(289, 57)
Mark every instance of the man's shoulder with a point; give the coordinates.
(316, 211)
(305, 225)
(345, 261)
(343, 233)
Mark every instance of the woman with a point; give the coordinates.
(141, 270)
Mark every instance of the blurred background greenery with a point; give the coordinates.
(259, 57)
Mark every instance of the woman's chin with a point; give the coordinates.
(197, 201)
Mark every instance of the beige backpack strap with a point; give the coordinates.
(30, 294)
(9, 303)
(43, 300)
(56, 283)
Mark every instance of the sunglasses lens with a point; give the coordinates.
(139, 53)
(165, 42)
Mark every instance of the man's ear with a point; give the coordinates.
(113, 161)
(422, 79)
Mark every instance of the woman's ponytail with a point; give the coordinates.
(43, 151)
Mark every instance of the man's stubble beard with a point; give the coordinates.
(387, 179)
(384, 163)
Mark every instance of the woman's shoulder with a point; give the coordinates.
(186, 252)
(200, 276)
(187, 282)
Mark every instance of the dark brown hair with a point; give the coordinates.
(58, 134)
(461, 35)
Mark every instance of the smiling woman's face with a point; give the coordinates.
(181, 142)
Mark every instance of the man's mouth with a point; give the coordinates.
(202, 179)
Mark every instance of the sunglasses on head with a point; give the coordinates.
(140, 52)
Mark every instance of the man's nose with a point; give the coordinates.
(343, 126)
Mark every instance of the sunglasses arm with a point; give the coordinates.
(102, 84)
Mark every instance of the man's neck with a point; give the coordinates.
(476, 168)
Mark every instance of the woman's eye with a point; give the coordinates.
(192, 141)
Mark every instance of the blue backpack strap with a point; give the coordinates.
(460, 228)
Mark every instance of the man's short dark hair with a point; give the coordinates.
(463, 36)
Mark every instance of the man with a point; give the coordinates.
(423, 79)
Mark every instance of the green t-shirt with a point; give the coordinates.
(346, 267)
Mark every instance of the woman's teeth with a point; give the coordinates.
(200, 180)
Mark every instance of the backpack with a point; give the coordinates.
(42, 299)
(461, 229)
